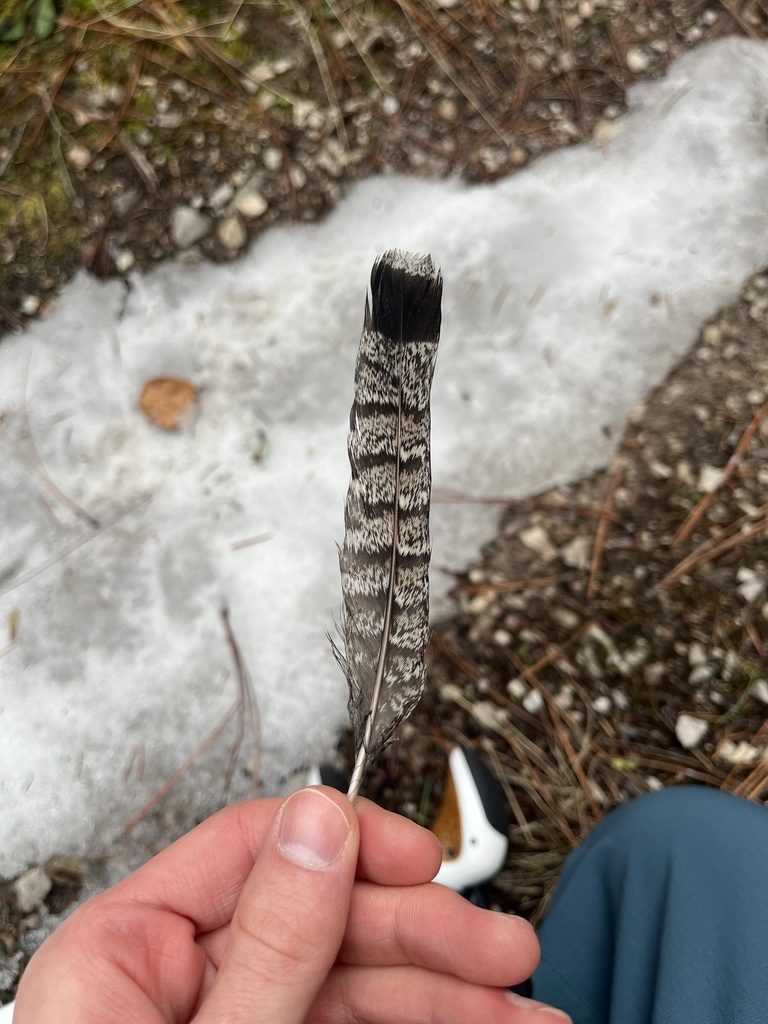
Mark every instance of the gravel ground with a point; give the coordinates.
(613, 637)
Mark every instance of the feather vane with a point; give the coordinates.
(384, 559)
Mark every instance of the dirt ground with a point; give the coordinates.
(612, 639)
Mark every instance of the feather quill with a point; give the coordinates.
(384, 560)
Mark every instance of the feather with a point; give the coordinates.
(384, 560)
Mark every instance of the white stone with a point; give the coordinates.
(517, 689)
(760, 690)
(710, 478)
(31, 888)
(249, 202)
(700, 674)
(123, 260)
(577, 553)
(536, 539)
(231, 232)
(221, 195)
(751, 584)
(602, 705)
(502, 638)
(533, 702)
(30, 305)
(188, 226)
(564, 697)
(690, 731)
(697, 654)
(737, 753)
(637, 60)
(79, 157)
(272, 158)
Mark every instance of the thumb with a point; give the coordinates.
(291, 915)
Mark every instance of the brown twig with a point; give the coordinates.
(602, 530)
(685, 530)
(706, 552)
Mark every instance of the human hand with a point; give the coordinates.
(301, 912)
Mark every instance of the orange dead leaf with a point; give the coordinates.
(164, 401)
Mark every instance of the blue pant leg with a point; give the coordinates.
(661, 916)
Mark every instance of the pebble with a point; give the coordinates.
(123, 260)
(637, 60)
(565, 617)
(517, 689)
(447, 109)
(79, 157)
(577, 553)
(231, 233)
(700, 674)
(620, 699)
(502, 638)
(221, 195)
(751, 584)
(690, 731)
(737, 753)
(710, 478)
(536, 539)
(272, 158)
(249, 202)
(533, 702)
(564, 698)
(188, 226)
(602, 705)
(760, 690)
(30, 305)
(697, 655)
(31, 888)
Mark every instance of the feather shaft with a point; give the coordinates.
(384, 559)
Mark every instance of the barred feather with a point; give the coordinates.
(385, 556)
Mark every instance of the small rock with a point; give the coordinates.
(231, 233)
(711, 334)
(31, 888)
(188, 226)
(447, 109)
(585, 9)
(221, 195)
(487, 714)
(690, 731)
(502, 638)
(564, 698)
(653, 783)
(123, 260)
(697, 655)
(637, 60)
(760, 690)
(533, 702)
(79, 157)
(751, 585)
(125, 201)
(700, 674)
(249, 202)
(272, 158)
(684, 473)
(710, 478)
(298, 176)
(517, 689)
(565, 617)
(30, 305)
(535, 539)
(602, 705)
(620, 699)
(577, 553)
(737, 753)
